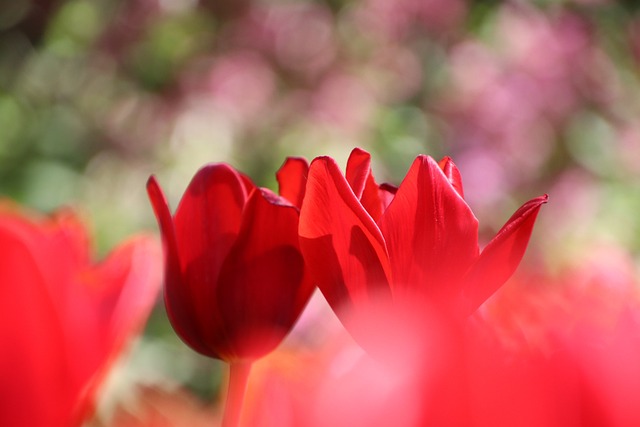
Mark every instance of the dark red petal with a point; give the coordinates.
(207, 222)
(501, 256)
(292, 179)
(431, 233)
(360, 178)
(263, 286)
(342, 246)
(452, 173)
(177, 297)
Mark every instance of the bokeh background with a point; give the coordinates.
(527, 97)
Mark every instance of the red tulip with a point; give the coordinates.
(235, 280)
(363, 241)
(64, 317)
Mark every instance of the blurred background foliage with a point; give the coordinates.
(527, 97)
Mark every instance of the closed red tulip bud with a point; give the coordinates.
(235, 279)
(65, 318)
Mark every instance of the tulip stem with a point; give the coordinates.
(238, 376)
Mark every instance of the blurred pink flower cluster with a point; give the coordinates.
(509, 103)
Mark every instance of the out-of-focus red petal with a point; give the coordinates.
(176, 293)
(60, 312)
(360, 178)
(344, 248)
(62, 230)
(33, 357)
(130, 283)
(292, 179)
(59, 249)
(249, 186)
(452, 173)
(501, 256)
(431, 233)
(121, 292)
(264, 287)
(504, 382)
(608, 359)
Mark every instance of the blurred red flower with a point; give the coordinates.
(65, 318)
(472, 373)
(235, 281)
(363, 241)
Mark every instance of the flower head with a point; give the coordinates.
(363, 241)
(235, 280)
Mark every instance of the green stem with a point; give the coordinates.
(238, 376)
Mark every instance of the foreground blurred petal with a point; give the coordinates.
(66, 318)
(31, 336)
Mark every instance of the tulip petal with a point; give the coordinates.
(263, 285)
(176, 295)
(431, 233)
(129, 276)
(58, 309)
(452, 173)
(343, 247)
(501, 256)
(360, 178)
(59, 246)
(386, 193)
(292, 179)
(207, 222)
(33, 357)
(121, 292)
(358, 170)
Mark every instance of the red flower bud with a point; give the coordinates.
(235, 279)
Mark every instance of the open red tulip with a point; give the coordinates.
(364, 241)
(65, 318)
(235, 280)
